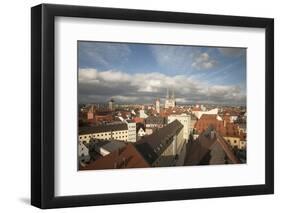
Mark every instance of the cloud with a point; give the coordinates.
(100, 86)
(184, 57)
(232, 52)
(203, 61)
(92, 54)
(175, 57)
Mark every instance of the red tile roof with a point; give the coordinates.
(224, 127)
(138, 120)
(126, 157)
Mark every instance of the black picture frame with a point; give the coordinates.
(43, 102)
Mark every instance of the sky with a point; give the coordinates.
(141, 73)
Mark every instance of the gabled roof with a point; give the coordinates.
(199, 150)
(126, 157)
(109, 145)
(152, 146)
(102, 128)
(155, 120)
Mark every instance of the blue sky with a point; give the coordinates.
(132, 72)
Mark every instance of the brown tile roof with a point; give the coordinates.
(102, 128)
(138, 120)
(200, 148)
(126, 157)
(155, 120)
(224, 128)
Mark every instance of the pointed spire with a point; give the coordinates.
(167, 93)
(173, 94)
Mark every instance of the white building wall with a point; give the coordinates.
(83, 153)
(117, 135)
(143, 114)
(132, 132)
(83, 150)
(157, 106)
(198, 114)
(141, 132)
(185, 120)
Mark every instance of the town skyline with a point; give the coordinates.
(140, 73)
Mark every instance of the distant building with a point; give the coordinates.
(90, 113)
(138, 120)
(153, 123)
(157, 105)
(123, 131)
(103, 117)
(229, 131)
(170, 101)
(198, 112)
(111, 105)
(163, 146)
(185, 120)
(143, 114)
(116, 131)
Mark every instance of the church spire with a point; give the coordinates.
(167, 93)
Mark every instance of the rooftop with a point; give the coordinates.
(155, 120)
(118, 126)
(153, 145)
(109, 145)
(126, 157)
(198, 151)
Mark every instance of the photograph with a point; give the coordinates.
(179, 101)
(160, 105)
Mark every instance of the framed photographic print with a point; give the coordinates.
(139, 106)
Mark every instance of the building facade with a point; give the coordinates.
(132, 131)
(83, 153)
(153, 123)
(157, 106)
(118, 131)
(123, 131)
(111, 105)
(228, 130)
(185, 120)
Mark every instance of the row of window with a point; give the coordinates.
(235, 142)
(105, 134)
